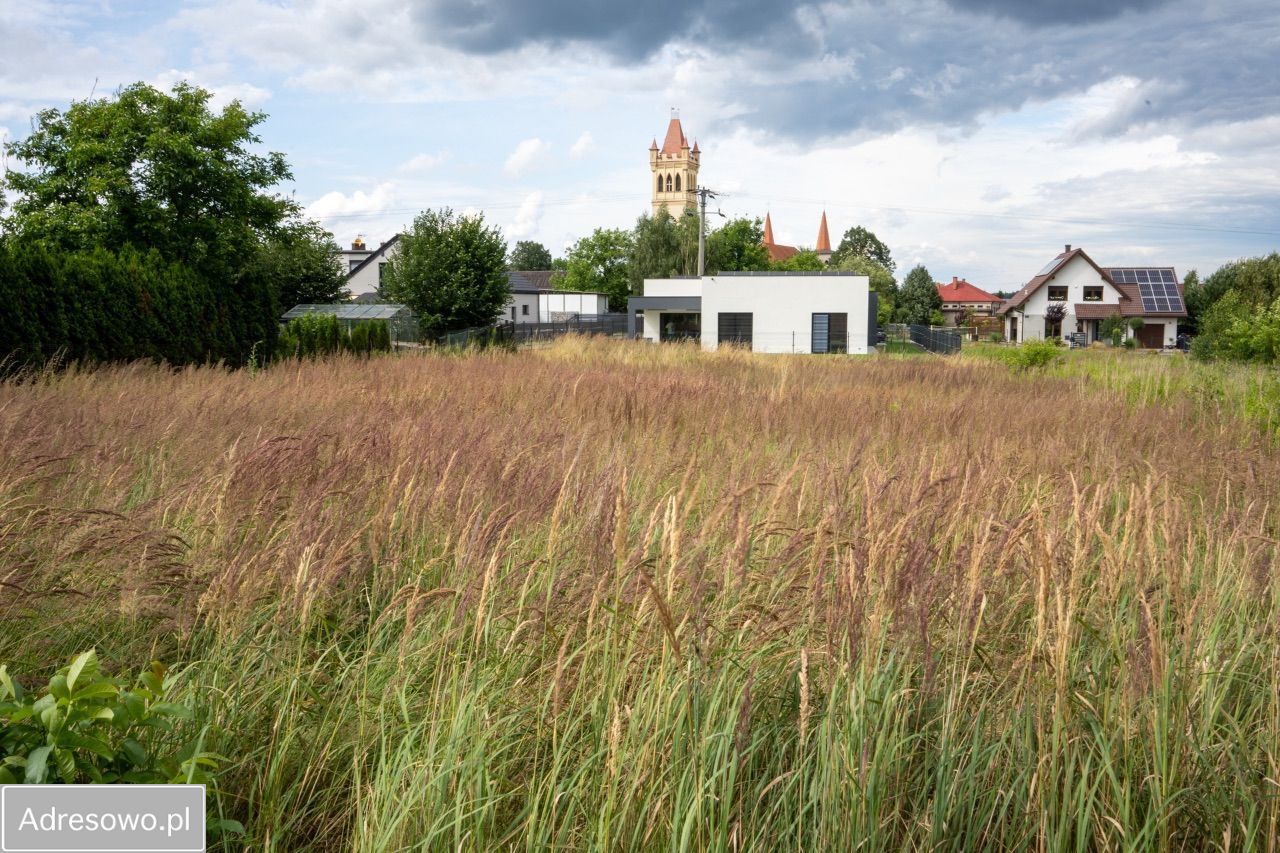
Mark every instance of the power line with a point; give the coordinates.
(638, 199)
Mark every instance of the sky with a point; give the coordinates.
(974, 136)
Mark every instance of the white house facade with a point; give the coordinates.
(1089, 294)
(801, 312)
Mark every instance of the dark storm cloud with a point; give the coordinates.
(917, 61)
(628, 30)
(1056, 11)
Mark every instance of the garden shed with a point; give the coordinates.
(399, 318)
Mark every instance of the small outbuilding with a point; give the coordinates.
(399, 318)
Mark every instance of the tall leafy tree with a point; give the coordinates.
(165, 175)
(662, 246)
(919, 299)
(529, 255)
(155, 170)
(737, 246)
(600, 263)
(299, 263)
(881, 282)
(859, 242)
(450, 270)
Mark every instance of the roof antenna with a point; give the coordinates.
(94, 89)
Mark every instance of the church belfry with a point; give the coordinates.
(673, 171)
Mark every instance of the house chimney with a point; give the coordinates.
(955, 279)
(357, 245)
(1068, 247)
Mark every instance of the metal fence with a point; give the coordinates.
(578, 324)
(520, 333)
(941, 341)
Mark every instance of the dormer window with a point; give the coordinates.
(1057, 293)
(1093, 293)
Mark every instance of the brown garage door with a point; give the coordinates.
(1151, 336)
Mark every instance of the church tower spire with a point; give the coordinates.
(673, 170)
(823, 247)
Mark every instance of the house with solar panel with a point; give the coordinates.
(1090, 294)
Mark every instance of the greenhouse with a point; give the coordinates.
(399, 318)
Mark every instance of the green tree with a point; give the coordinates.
(299, 264)
(919, 298)
(600, 264)
(529, 255)
(859, 242)
(805, 260)
(450, 270)
(882, 283)
(737, 246)
(662, 246)
(158, 171)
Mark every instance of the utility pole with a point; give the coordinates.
(703, 195)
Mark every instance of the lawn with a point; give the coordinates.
(609, 596)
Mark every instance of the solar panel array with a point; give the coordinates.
(1157, 287)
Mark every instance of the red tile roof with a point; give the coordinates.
(1095, 310)
(776, 251)
(675, 140)
(959, 290)
(824, 239)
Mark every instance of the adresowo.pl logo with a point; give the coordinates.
(102, 818)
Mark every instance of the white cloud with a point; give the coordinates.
(337, 204)
(528, 217)
(585, 145)
(525, 155)
(423, 162)
(223, 93)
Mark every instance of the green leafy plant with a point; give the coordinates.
(1112, 329)
(1031, 355)
(87, 727)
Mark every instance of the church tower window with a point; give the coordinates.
(668, 183)
(677, 183)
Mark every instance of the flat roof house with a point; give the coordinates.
(800, 312)
(1090, 294)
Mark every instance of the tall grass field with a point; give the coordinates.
(607, 596)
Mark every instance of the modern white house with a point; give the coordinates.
(1089, 294)
(776, 312)
(533, 300)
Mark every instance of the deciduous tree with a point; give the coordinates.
(599, 263)
(529, 255)
(450, 270)
(861, 243)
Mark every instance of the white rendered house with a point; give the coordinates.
(797, 312)
(1090, 294)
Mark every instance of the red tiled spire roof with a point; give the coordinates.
(675, 140)
(653, 146)
(776, 251)
(824, 239)
(768, 230)
(695, 146)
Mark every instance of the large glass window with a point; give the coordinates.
(1057, 293)
(1093, 293)
(734, 328)
(679, 326)
(830, 333)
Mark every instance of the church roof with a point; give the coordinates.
(675, 141)
(776, 251)
(824, 239)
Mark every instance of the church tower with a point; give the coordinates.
(673, 171)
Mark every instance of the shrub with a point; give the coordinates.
(85, 727)
(1112, 329)
(1031, 355)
